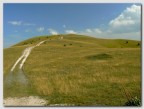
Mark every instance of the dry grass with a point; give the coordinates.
(68, 72)
(64, 74)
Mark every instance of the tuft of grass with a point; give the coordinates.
(133, 102)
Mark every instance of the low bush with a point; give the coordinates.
(133, 102)
(138, 44)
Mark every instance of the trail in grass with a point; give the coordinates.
(24, 56)
(16, 84)
(18, 77)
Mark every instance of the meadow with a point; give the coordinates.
(79, 70)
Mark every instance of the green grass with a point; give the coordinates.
(85, 72)
(102, 56)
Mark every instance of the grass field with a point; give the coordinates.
(79, 70)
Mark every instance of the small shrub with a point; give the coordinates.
(70, 44)
(126, 42)
(138, 44)
(64, 45)
(133, 102)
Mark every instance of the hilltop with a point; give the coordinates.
(83, 40)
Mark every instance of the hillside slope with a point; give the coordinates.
(79, 70)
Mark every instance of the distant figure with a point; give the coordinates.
(61, 37)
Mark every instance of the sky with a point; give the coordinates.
(111, 20)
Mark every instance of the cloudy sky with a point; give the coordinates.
(117, 21)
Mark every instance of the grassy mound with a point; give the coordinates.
(102, 56)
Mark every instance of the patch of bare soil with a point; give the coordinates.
(25, 101)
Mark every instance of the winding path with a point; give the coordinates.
(20, 78)
(24, 56)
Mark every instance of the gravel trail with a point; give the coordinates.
(24, 101)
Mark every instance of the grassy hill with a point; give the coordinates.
(80, 39)
(80, 70)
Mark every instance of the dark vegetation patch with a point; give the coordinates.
(102, 56)
(138, 44)
(126, 42)
(64, 45)
(133, 102)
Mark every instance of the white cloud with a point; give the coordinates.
(88, 30)
(127, 21)
(52, 31)
(16, 23)
(64, 26)
(91, 32)
(70, 32)
(40, 29)
(29, 24)
(98, 31)
(125, 26)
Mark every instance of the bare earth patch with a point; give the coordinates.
(25, 101)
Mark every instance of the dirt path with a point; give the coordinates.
(22, 85)
(25, 101)
(24, 56)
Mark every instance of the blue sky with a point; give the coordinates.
(22, 21)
